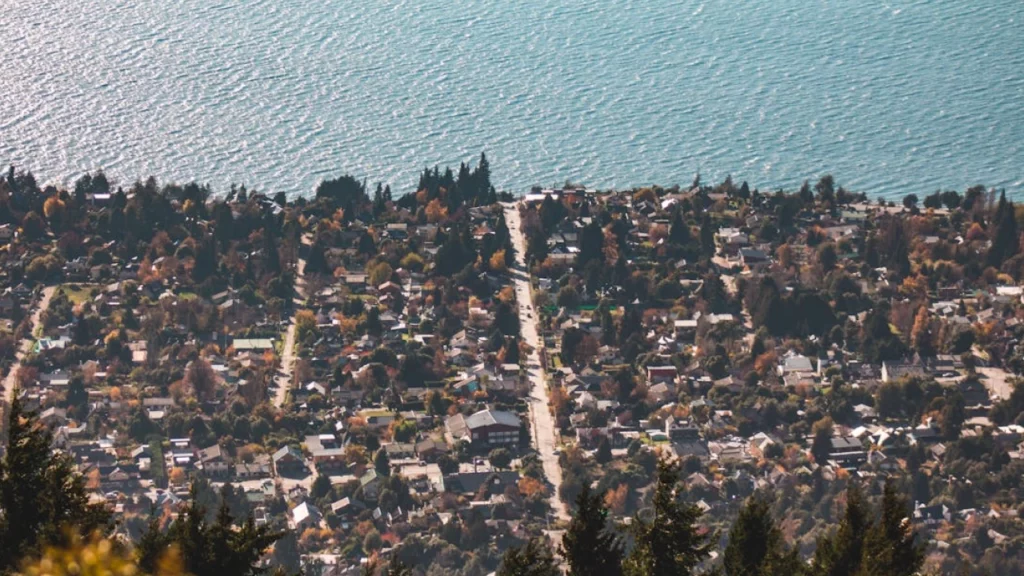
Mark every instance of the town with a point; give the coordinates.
(437, 376)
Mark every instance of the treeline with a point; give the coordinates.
(666, 539)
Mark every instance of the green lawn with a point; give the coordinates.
(77, 293)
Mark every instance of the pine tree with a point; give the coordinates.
(532, 559)
(756, 546)
(588, 546)
(41, 493)
(209, 548)
(679, 232)
(1006, 238)
(839, 553)
(707, 237)
(670, 543)
(890, 548)
(382, 463)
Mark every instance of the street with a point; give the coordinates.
(26, 345)
(542, 421)
(284, 379)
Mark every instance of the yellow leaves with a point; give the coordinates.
(529, 486)
(616, 499)
(436, 212)
(53, 208)
(507, 295)
(497, 261)
(305, 324)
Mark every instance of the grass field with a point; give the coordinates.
(78, 293)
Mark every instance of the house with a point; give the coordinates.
(931, 515)
(680, 430)
(305, 516)
(258, 468)
(288, 460)
(371, 483)
(796, 364)
(485, 428)
(326, 451)
(430, 450)
(215, 461)
(895, 370)
(661, 373)
(847, 451)
(54, 417)
(759, 443)
(753, 258)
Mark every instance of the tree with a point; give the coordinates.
(910, 201)
(286, 553)
(500, 458)
(380, 273)
(589, 546)
(920, 334)
(840, 551)
(756, 546)
(382, 463)
(77, 396)
(200, 377)
(604, 451)
(41, 494)
(96, 556)
(827, 256)
(953, 415)
(669, 542)
(211, 548)
(821, 446)
(707, 237)
(532, 559)
(679, 232)
(1005, 238)
(890, 548)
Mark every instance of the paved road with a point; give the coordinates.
(545, 437)
(284, 378)
(26, 345)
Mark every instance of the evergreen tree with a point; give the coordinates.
(821, 446)
(588, 546)
(591, 245)
(382, 463)
(890, 547)
(669, 543)
(707, 237)
(840, 551)
(679, 232)
(41, 494)
(1005, 238)
(604, 451)
(756, 546)
(209, 548)
(532, 559)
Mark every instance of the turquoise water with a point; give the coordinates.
(891, 97)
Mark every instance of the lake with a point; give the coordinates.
(890, 97)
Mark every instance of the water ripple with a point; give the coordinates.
(897, 98)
